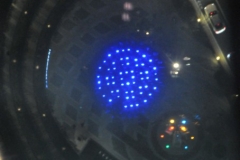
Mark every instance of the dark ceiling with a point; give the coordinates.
(65, 121)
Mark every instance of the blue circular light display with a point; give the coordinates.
(128, 77)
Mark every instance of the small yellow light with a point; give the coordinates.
(172, 121)
(218, 58)
(162, 136)
(183, 128)
(49, 26)
(192, 138)
(199, 19)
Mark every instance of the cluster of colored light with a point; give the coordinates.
(47, 64)
(128, 76)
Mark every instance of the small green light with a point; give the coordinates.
(167, 146)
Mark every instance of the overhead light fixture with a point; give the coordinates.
(228, 55)
(171, 121)
(176, 65)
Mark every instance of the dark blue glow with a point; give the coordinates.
(127, 77)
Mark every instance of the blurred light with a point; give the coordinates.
(236, 95)
(37, 66)
(186, 147)
(183, 121)
(176, 72)
(171, 128)
(26, 12)
(188, 64)
(138, 30)
(176, 65)
(46, 73)
(228, 55)
(44, 115)
(162, 136)
(147, 33)
(48, 26)
(186, 58)
(19, 109)
(128, 6)
(192, 137)
(172, 121)
(217, 58)
(199, 20)
(167, 146)
(183, 128)
(125, 17)
(14, 60)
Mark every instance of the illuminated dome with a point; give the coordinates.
(128, 77)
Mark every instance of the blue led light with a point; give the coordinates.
(128, 73)
(46, 73)
(184, 121)
(186, 147)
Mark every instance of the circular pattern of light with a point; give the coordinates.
(128, 77)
